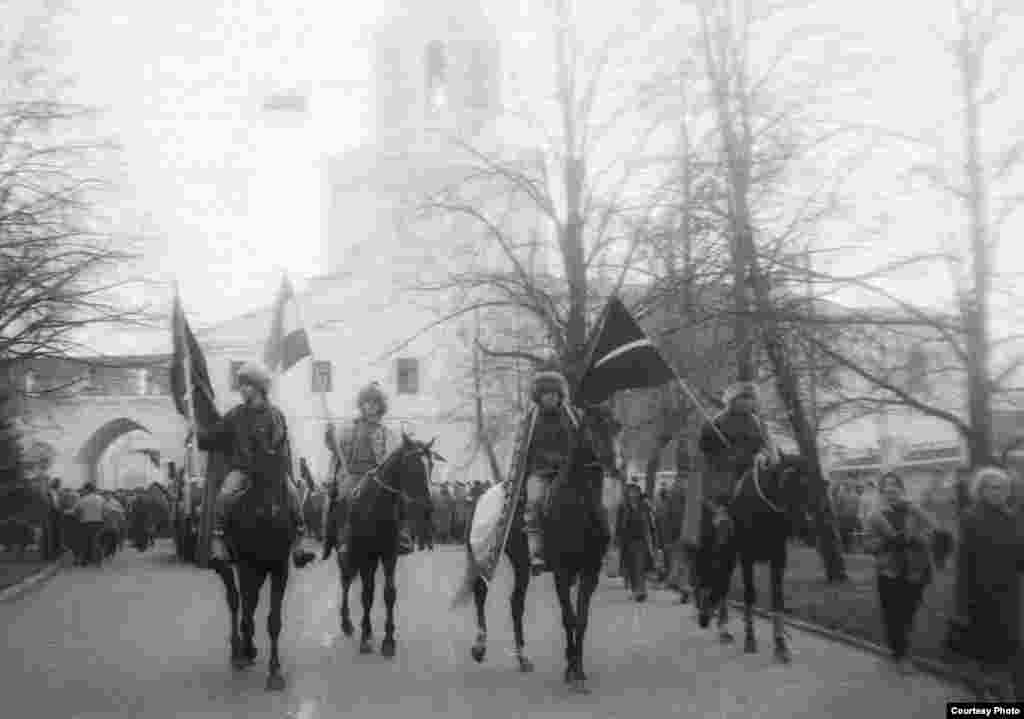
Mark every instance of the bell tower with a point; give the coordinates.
(436, 68)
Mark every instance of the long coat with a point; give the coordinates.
(993, 553)
(625, 530)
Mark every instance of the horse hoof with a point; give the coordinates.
(239, 663)
(726, 637)
(251, 654)
(750, 646)
(568, 676)
(387, 648)
(525, 665)
(478, 652)
(704, 620)
(365, 647)
(579, 686)
(346, 627)
(783, 655)
(275, 683)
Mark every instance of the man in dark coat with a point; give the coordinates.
(546, 456)
(731, 443)
(254, 435)
(636, 535)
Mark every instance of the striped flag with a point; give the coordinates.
(288, 342)
(621, 356)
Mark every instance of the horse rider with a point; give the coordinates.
(364, 443)
(547, 455)
(732, 443)
(255, 437)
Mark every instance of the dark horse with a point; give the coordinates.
(576, 540)
(372, 510)
(765, 507)
(260, 532)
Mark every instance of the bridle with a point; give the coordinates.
(376, 470)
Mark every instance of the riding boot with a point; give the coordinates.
(301, 553)
(405, 543)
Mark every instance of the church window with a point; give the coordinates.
(322, 376)
(407, 370)
(436, 62)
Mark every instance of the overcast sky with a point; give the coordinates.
(232, 197)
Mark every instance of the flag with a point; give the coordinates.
(288, 342)
(620, 356)
(186, 349)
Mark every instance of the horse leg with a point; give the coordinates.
(728, 566)
(588, 583)
(563, 586)
(520, 556)
(278, 584)
(479, 650)
(251, 581)
(367, 577)
(387, 648)
(347, 574)
(227, 576)
(778, 571)
(749, 599)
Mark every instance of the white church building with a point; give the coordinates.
(437, 75)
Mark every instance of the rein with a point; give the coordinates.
(752, 473)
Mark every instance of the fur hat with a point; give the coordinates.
(373, 393)
(549, 381)
(255, 374)
(984, 475)
(740, 389)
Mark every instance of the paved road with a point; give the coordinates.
(145, 637)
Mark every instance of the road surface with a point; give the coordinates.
(147, 637)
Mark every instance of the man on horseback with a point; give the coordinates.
(363, 445)
(731, 443)
(546, 456)
(255, 437)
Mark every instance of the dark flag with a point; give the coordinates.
(186, 349)
(620, 356)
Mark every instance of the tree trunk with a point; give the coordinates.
(570, 234)
(980, 444)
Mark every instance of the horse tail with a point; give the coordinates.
(471, 573)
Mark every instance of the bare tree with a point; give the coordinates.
(556, 231)
(56, 266)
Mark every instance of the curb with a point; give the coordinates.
(16, 591)
(931, 666)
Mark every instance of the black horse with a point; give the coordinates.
(260, 533)
(576, 541)
(373, 540)
(761, 518)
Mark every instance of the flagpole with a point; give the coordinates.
(337, 456)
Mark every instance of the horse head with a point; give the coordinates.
(408, 469)
(794, 485)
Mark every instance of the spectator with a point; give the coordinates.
(991, 550)
(636, 533)
(89, 513)
(899, 535)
